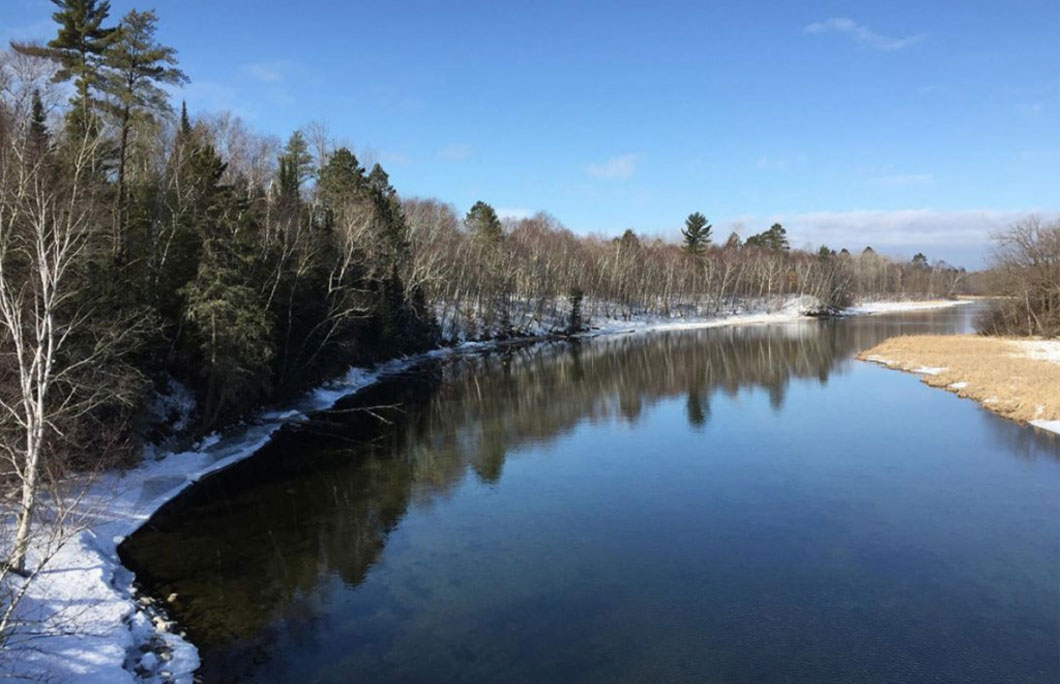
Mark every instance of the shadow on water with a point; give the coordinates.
(271, 559)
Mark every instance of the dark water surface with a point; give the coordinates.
(727, 505)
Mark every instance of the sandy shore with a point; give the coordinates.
(1016, 378)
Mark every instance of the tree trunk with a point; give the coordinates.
(119, 217)
(29, 496)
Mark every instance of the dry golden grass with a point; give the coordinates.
(996, 371)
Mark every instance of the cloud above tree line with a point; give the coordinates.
(861, 34)
(891, 230)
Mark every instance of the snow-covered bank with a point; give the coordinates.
(792, 310)
(96, 629)
(109, 635)
(898, 307)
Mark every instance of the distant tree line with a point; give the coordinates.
(487, 278)
(141, 246)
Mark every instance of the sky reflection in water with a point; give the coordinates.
(728, 505)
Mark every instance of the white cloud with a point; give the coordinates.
(456, 152)
(621, 167)
(860, 33)
(896, 231)
(515, 212)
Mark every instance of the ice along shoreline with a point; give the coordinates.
(116, 637)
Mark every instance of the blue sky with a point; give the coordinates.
(905, 125)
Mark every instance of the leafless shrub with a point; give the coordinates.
(1025, 274)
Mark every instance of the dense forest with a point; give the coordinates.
(145, 251)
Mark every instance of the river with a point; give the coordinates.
(743, 504)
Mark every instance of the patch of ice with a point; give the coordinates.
(928, 370)
(958, 385)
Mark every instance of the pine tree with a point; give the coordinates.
(392, 227)
(295, 168)
(39, 137)
(696, 234)
(576, 322)
(231, 332)
(78, 50)
(734, 241)
(920, 261)
(341, 178)
(483, 223)
(136, 66)
(776, 239)
(184, 132)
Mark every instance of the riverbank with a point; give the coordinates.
(868, 308)
(98, 628)
(1015, 378)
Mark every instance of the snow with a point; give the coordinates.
(958, 385)
(111, 628)
(894, 307)
(929, 370)
(1042, 350)
(99, 632)
(790, 310)
(1050, 425)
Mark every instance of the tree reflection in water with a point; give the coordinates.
(251, 550)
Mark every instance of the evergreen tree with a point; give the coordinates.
(77, 49)
(295, 168)
(379, 181)
(230, 345)
(734, 241)
(483, 223)
(136, 65)
(629, 240)
(696, 234)
(776, 239)
(39, 137)
(392, 227)
(341, 178)
(824, 252)
(920, 261)
(184, 132)
(576, 321)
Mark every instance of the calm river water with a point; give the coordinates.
(726, 505)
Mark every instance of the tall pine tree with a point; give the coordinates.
(696, 234)
(483, 223)
(78, 50)
(136, 65)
